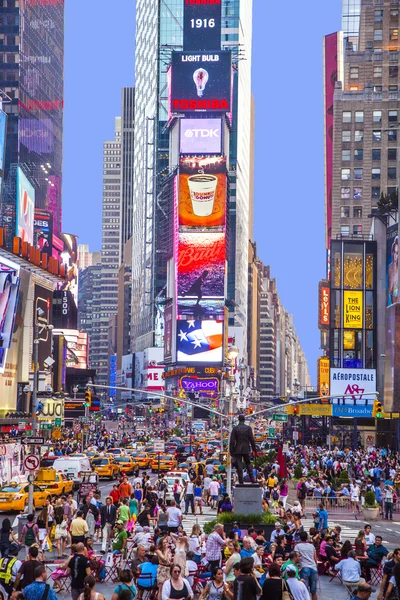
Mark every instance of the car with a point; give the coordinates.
(165, 462)
(182, 453)
(115, 451)
(141, 459)
(105, 467)
(14, 496)
(126, 464)
(178, 475)
(54, 483)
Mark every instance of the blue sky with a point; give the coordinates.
(289, 153)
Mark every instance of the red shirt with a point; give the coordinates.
(115, 495)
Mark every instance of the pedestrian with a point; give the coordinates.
(308, 564)
(26, 573)
(214, 545)
(198, 495)
(78, 567)
(177, 491)
(78, 528)
(189, 497)
(30, 533)
(296, 586)
(214, 492)
(388, 498)
(245, 584)
(216, 588)
(174, 516)
(39, 588)
(108, 514)
(126, 583)
(120, 537)
(6, 537)
(176, 587)
(88, 590)
(273, 586)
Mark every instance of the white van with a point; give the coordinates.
(72, 467)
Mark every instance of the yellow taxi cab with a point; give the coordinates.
(105, 466)
(259, 437)
(152, 455)
(56, 484)
(167, 463)
(126, 464)
(14, 496)
(142, 460)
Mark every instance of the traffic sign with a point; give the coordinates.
(271, 432)
(159, 446)
(32, 440)
(278, 417)
(21, 425)
(57, 422)
(295, 435)
(285, 448)
(31, 462)
(46, 426)
(56, 434)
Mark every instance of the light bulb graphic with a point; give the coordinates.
(200, 78)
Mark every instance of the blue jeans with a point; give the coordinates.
(311, 579)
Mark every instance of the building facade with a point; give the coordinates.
(32, 76)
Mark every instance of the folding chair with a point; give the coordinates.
(376, 575)
(112, 571)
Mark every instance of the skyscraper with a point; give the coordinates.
(32, 75)
(158, 32)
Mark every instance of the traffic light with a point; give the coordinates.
(377, 410)
(88, 398)
(295, 410)
(150, 408)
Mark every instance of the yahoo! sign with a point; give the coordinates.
(201, 136)
(206, 386)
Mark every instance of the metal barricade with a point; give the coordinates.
(339, 505)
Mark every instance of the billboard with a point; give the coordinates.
(202, 191)
(43, 231)
(202, 24)
(324, 305)
(113, 375)
(153, 369)
(9, 290)
(201, 265)
(204, 386)
(352, 309)
(201, 82)
(200, 136)
(168, 324)
(392, 264)
(205, 308)
(69, 256)
(323, 376)
(3, 132)
(65, 313)
(42, 312)
(357, 383)
(25, 208)
(199, 341)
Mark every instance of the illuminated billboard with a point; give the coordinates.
(201, 265)
(9, 288)
(204, 386)
(392, 264)
(202, 191)
(42, 315)
(201, 82)
(25, 207)
(168, 324)
(323, 376)
(324, 305)
(202, 24)
(199, 341)
(352, 309)
(200, 136)
(69, 256)
(3, 132)
(43, 231)
(206, 308)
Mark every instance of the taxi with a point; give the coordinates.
(57, 485)
(105, 466)
(14, 496)
(167, 462)
(141, 459)
(126, 464)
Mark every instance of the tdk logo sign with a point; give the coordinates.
(200, 136)
(202, 133)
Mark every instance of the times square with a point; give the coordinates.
(168, 429)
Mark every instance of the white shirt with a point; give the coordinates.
(190, 488)
(298, 589)
(207, 481)
(355, 492)
(173, 515)
(214, 488)
(370, 538)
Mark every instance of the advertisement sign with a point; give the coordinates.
(69, 256)
(9, 288)
(43, 231)
(126, 375)
(205, 386)
(25, 208)
(3, 131)
(202, 191)
(324, 305)
(201, 82)
(323, 376)
(357, 383)
(316, 410)
(202, 24)
(340, 410)
(352, 309)
(200, 136)
(113, 376)
(43, 314)
(206, 308)
(392, 264)
(73, 409)
(199, 341)
(201, 265)
(153, 359)
(65, 312)
(168, 332)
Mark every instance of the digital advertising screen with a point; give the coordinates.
(25, 208)
(200, 82)
(204, 386)
(201, 265)
(42, 315)
(9, 288)
(202, 191)
(205, 308)
(43, 231)
(200, 136)
(3, 133)
(392, 264)
(69, 256)
(168, 323)
(202, 25)
(199, 341)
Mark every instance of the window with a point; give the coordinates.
(376, 116)
(378, 71)
(353, 72)
(392, 154)
(376, 154)
(358, 135)
(345, 212)
(359, 116)
(375, 193)
(391, 191)
(377, 88)
(394, 13)
(393, 71)
(378, 35)
(393, 88)
(358, 154)
(346, 174)
(346, 155)
(357, 193)
(346, 117)
(357, 212)
(394, 34)
(358, 174)
(346, 136)
(392, 136)
(345, 230)
(392, 172)
(392, 116)
(375, 173)
(378, 16)
(357, 229)
(345, 193)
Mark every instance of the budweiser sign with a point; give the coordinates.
(201, 264)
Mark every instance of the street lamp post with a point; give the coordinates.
(233, 353)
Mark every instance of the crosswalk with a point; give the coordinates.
(189, 520)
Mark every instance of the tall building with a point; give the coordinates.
(87, 258)
(127, 166)
(32, 75)
(88, 298)
(159, 31)
(351, 22)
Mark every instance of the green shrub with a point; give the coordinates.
(264, 518)
(344, 476)
(313, 473)
(298, 471)
(209, 527)
(370, 500)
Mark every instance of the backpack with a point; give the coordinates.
(275, 495)
(29, 536)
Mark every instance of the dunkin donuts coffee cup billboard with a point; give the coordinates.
(202, 191)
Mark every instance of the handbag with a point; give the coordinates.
(286, 594)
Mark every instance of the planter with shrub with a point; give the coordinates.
(265, 521)
(371, 507)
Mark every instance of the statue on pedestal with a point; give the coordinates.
(240, 446)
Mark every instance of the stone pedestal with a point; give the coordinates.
(247, 499)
